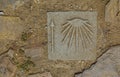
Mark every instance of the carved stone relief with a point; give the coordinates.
(72, 35)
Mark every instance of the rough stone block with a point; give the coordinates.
(34, 53)
(10, 30)
(108, 65)
(10, 27)
(111, 10)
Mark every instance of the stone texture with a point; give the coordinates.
(10, 27)
(33, 14)
(11, 53)
(10, 30)
(46, 74)
(6, 3)
(35, 53)
(6, 67)
(72, 35)
(108, 65)
(111, 10)
(14, 4)
(112, 18)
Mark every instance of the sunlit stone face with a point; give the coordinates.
(10, 28)
(72, 35)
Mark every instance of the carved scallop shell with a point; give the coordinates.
(77, 32)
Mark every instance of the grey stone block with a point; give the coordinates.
(72, 35)
(108, 65)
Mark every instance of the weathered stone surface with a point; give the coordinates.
(5, 3)
(7, 69)
(112, 17)
(11, 53)
(72, 35)
(14, 4)
(111, 10)
(108, 65)
(10, 27)
(10, 30)
(37, 1)
(34, 15)
(35, 53)
(58, 68)
(46, 74)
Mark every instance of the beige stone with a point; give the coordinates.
(6, 67)
(111, 10)
(35, 53)
(14, 4)
(46, 74)
(10, 27)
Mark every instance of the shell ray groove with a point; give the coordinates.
(77, 32)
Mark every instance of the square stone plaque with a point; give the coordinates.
(72, 35)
